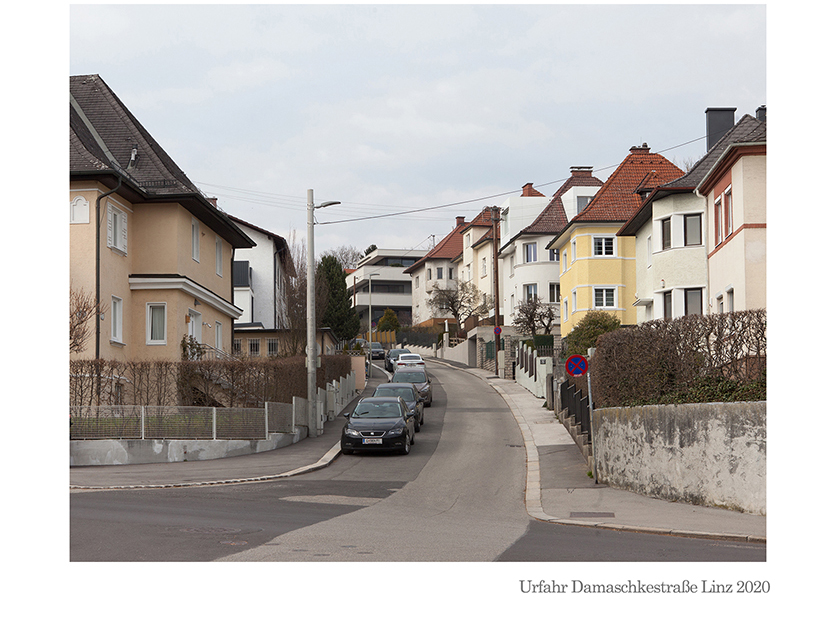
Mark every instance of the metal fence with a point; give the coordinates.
(171, 422)
(576, 403)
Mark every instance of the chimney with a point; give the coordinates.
(760, 114)
(460, 221)
(641, 149)
(718, 121)
(582, 170)
(529, 191)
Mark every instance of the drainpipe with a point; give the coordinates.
(97, 263)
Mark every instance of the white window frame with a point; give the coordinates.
(599, 243)
(254, 347)
(728, 212)
(564, 260)
(685, 229)
(553, 292)
(530, 254)
(440, 272)
(663, 223)
(196, 240)
(527, 288)
(219, 335)
(116, 316)
(573, 252)
(219, 256)
(484, 267)
(149, 307)
(117, 235)
(649, 251)
(600, 303)
(565, 309)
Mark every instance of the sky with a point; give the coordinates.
(413, 115)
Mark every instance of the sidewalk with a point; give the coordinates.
(558, 488)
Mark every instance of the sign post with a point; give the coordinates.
(577, 365)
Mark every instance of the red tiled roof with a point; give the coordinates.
(552, 219)
(617, 200)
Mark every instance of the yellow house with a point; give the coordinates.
(597, 268)
(145, 243)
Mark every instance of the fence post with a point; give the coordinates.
(214, 424)
(266, 420)
(143, 422)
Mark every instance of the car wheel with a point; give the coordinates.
(417, 426)
(421, 421)
(407, 444)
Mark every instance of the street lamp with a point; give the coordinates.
(312, 353)
(370, 325)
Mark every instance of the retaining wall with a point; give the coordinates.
(710, 454)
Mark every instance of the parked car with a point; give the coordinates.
(391, 356)
(407, 392)
(409, 360)
(358, 343)
(417, 376)
(379, 424)
(376, 350)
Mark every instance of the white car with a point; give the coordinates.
(409, 360)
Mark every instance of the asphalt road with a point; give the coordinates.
(458, 496)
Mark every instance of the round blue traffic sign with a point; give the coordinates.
(576, 365)
(497, 330)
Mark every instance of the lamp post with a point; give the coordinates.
(312, 353)
(370, 325)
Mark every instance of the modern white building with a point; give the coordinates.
(380, 281)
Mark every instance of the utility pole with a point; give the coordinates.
(496, 327)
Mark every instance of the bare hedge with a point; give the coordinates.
(718, 357)
(239, 382)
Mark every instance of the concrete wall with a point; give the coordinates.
(705, 454)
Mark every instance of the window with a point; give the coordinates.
(603, 246)
(573, 300)
(116, 229)
(196, 240)
(79, 211)
(553, 255)
(429, 274)
(467, 240)
(666, 228)
(484, 267)
(156, 323)
(720, 308)
(530, 292)
(254, 347)
(667, 305)
(604, 297)
(219, 257)
(582, 202)
(718, 224)
(553, 293)
(729, 212)
(236, 346)
(450, 273)
(693, 301)
(272, 347)
(417, 281)
(530, 252)
(565, 309)
(730, 299)
(219, 336)
(117, 319)
(440, 273)
(564, 261)
(649, 250)
(693, 230)
(573, 252)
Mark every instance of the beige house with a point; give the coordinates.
(144, 241)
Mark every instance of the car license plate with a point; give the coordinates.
(371, 441)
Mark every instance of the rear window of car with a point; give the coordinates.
(405, 393)
(409, 377)
(383, 409)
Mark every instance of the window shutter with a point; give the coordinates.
(110, 226)
(123, 234)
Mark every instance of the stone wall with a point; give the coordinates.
(705, 454)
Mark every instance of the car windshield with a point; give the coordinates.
(377, 409)
(409, 377)
(406, 393)
(396, 352)
(376, 344)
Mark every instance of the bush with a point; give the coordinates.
(584, 335)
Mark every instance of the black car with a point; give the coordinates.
(379, 424)
(391, 356)
(417, 376)
(376, 350)
(408, 393)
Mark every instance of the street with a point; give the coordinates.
(458, 496)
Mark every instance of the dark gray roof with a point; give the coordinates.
(102, 136)
(747, 130)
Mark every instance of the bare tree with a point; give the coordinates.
(295, 297)
(83, 314)
(533, 315)
(347, 255)
(461, 302)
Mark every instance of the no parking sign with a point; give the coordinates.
(576, 365)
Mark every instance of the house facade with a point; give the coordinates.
(379, 281)
(734, 190)
(435, 268)
(144, 241)
(475, 264)
(527, 268)
(259, 278)
(597, 267)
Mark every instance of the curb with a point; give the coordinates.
(533, 490)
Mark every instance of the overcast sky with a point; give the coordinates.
(391, 108)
